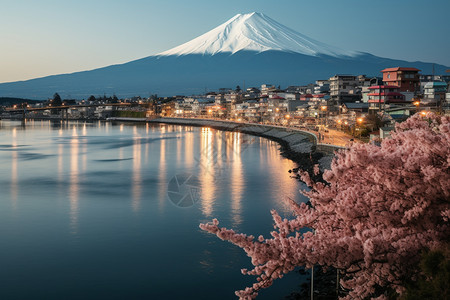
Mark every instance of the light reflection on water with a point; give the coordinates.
(14, 185)
(84, 211)
(74, 182)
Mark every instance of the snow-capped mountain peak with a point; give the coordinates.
(254, 32)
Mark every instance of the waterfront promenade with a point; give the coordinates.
(332, 138)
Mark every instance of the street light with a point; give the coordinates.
(324, 108)
(359, 121)
(287, 117)
(417, 104)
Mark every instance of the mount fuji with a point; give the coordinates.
(249, 49)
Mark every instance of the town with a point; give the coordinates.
(354, 106)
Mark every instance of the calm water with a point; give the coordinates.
(92, 210)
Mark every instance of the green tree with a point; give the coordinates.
(56, 100)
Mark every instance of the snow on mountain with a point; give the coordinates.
(254, 32)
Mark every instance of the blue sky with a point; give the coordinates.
(45, 37)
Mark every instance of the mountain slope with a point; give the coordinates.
(248, 48)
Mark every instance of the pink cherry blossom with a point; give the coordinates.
(379, 208)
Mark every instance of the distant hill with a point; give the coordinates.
(8, 101)
(249, 49)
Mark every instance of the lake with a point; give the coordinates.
(111, 211)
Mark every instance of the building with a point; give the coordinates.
(322, 87)
(385, 132)
(435, 95)
(435, 90)
(407, 79)
(267, 88)
(357, 107)
(382, 95)
(424, 79)
(345, 88)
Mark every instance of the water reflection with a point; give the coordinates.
(74, 181)
(207, 172)
(189, 150)
(60, 163)
(137, 179)
(162, 183)
(237, 180)
(284, 186)
(179, 141)
(14, 177)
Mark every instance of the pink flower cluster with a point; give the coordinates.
(379, 208)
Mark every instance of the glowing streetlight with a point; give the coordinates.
(323, 107)
(416, 103)
(287, 116)
(360, 120)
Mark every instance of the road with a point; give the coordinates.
(335, 137)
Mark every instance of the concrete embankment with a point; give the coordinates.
(300, 146)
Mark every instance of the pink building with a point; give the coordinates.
(384, 94)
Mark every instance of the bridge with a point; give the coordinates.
(19, 110)
(63, 108)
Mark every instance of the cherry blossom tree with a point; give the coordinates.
(376, 210)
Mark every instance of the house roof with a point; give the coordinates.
(436, 83)
(351, 105)
(399, 116)
(399, 69)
